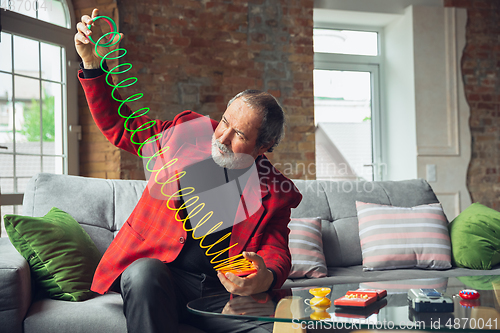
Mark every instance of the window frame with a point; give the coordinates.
(25, 26)
(372, 64)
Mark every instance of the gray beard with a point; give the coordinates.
(229, 160)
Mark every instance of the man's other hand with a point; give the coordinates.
(254, 283)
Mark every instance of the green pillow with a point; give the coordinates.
(61, 255)
(475, 237)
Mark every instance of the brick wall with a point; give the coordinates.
(98, 158)
(481, 74)
(196, 55)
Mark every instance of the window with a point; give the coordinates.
(35, 97)
(31, 128)
(345, 42)
(346, 104)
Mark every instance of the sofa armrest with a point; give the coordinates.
(15, 288)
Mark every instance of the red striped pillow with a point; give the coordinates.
(399, 237)
(306, 248)
(402, 286)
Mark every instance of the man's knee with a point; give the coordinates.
(144, 274)
(149, 300)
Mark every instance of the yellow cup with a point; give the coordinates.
(319, 299)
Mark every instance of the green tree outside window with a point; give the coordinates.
(32, 120)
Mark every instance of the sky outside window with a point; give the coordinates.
(345, 42)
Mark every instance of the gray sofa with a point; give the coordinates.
(101, 207)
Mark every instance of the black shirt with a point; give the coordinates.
(220, 190)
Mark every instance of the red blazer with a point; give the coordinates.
(153, 230)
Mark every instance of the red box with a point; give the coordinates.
(381, 293)
(360, 297)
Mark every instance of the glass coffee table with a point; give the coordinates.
(391, 312)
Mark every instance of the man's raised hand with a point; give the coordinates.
(85, 49)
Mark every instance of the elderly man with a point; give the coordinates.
(211, 198)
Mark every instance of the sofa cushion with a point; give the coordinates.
(334, 202)
(400, 237)
(341, 242)
(15, 288)
(108, 202)
(306, 248)
(475, 237)
(101, 314)
(314, 201)
(61, 255)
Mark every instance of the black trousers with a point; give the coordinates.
(155, 297)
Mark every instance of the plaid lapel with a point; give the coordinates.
(250, 212)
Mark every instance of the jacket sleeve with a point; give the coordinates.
(124, 128)
(274, 245)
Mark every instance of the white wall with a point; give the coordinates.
(399, 141)
(442, 112)
(425, 116)
(375, 6)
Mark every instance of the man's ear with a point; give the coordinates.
(263, 149)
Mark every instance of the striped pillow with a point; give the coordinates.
(399, 237)
(306, 248)
(402, 286)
